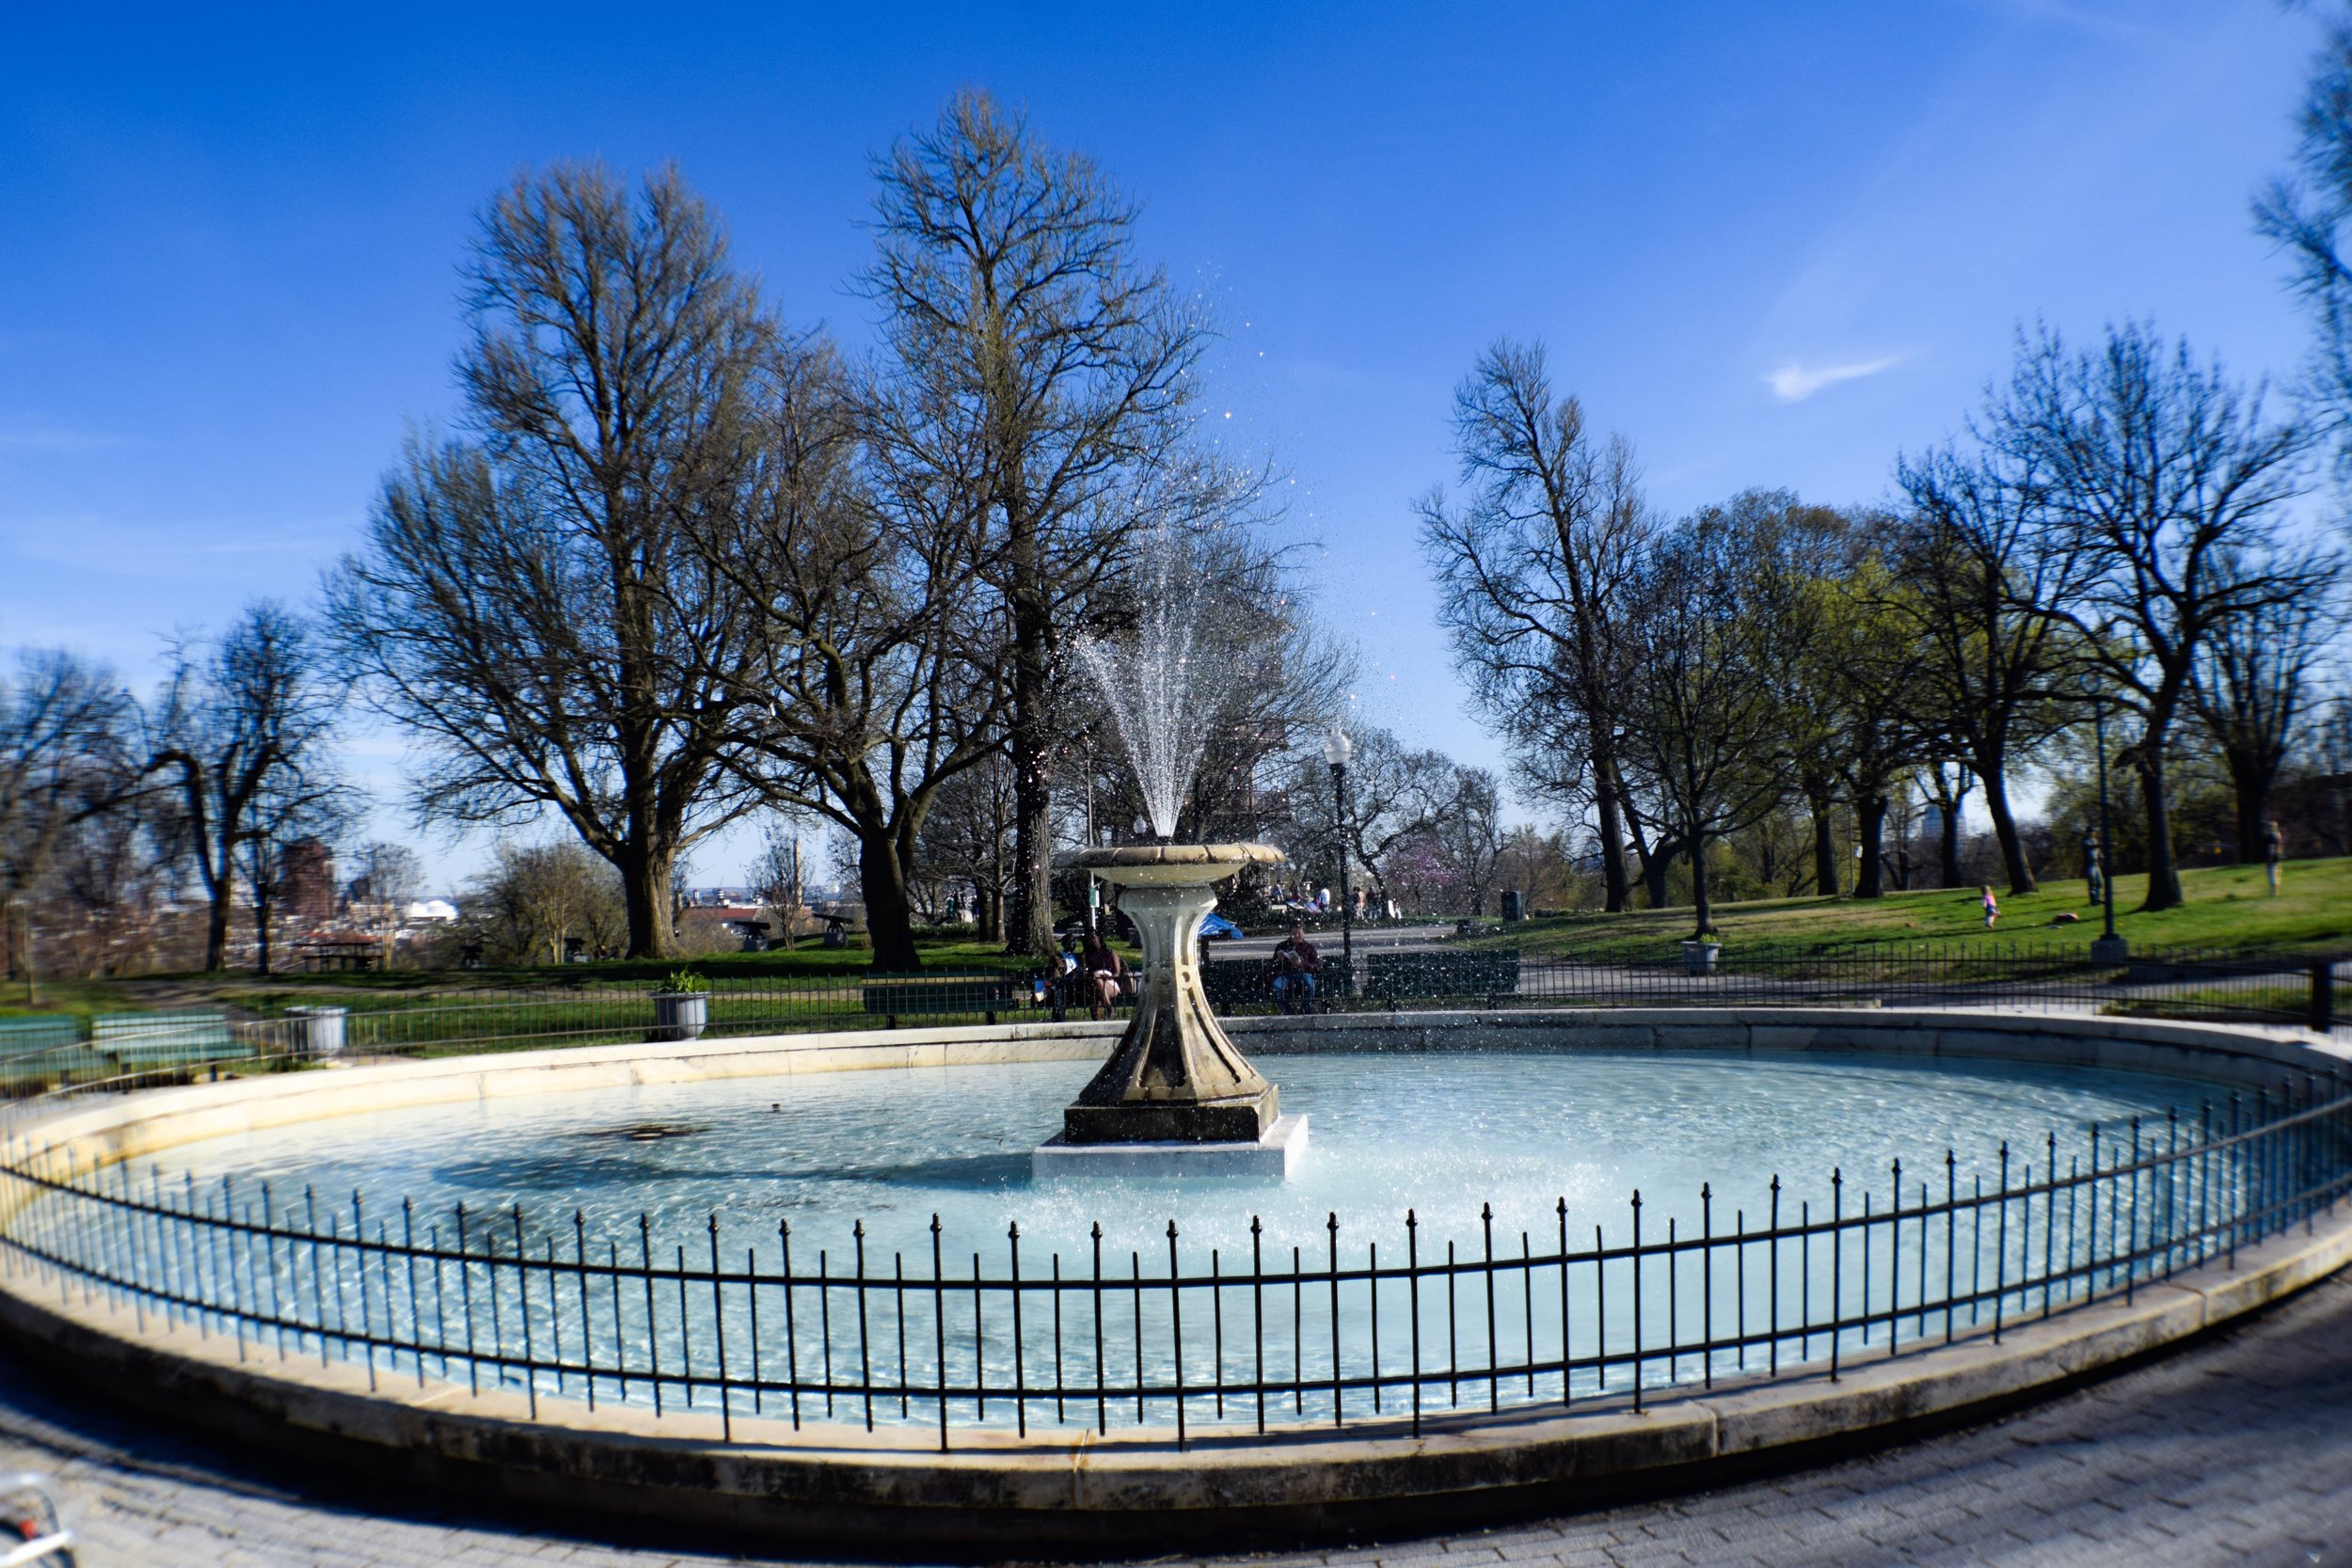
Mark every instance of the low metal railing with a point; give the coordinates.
(1420, 1326)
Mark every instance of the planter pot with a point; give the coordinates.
(1699, 958)
(318, 1032)
(680, 1015)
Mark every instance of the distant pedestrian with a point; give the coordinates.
(2274, 850)
(1992, 907)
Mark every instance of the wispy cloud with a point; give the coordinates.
(33, 438)
(1794, 382)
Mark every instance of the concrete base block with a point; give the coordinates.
(1274, 1154)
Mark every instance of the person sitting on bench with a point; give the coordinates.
(1108, 972)
(1293, 967)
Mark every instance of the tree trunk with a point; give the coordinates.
(1616, 886)
(889, 913)
(2251, 775)
(1947, 848)
(216, 924)
(2164, 872)
(1989, 772)
(1699, 900)
(1870, 829)
(261, 931)
(1658, 860)
(1825, 843)
(1029, 912)
(645, 896)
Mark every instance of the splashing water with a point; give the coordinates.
(1163, 679)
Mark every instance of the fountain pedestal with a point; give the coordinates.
(1176, 1096)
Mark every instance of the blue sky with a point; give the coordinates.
(1772, 244)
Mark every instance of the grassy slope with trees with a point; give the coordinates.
(2227, 908)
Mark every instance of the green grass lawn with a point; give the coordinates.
(2228, 909)
(46, 995)
(250, 994)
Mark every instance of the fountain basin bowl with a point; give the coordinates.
(1170, 864)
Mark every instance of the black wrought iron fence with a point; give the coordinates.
(2295, 989)
(1424, 1324)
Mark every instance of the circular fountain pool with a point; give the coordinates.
(706, 1281)
(1444, 1136)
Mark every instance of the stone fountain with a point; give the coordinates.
(1175, 1098)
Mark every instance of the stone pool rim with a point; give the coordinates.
(890, 1496)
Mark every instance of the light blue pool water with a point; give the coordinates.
(1441, 1134)
(1484, 1149)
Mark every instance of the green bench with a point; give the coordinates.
(1478, 975)
(895, 997)
(1239, 984)
(38, 1051)
(141, 1043)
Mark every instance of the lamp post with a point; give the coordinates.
(2109, 948)
(1337, 748)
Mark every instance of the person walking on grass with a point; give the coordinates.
(1992, 907)
(2274, 850)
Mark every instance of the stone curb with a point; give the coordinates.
(838, 1484)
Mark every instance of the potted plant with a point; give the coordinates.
(1700, 953)
(681, 1008)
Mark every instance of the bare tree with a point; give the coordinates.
(2253, 683)
(101, 903)
(2308, 214)
(534, 897)
(875, 659)
(1046, 372)
(2171, 479)
(242, 722)
(1469, 835)
(1535, 572)
(1985, 578)
(387, 873)
(967, 840)
(64, 759)
(531, 603)
(297, 816)
(779, 877)
(1702, 701)
(1396, 795)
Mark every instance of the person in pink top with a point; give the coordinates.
(1992, 907)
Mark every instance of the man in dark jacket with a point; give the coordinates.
(1293, 967)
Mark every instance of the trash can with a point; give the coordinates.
(318, 1031)
(680, 1015)
(1514, 904)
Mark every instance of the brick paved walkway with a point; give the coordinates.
(2238, 1451)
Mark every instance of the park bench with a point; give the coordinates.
(142, 1042)
(1239, 984)
(897, 996)
(36, 1051)
(1483, 974)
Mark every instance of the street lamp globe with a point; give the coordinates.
(1337, 748)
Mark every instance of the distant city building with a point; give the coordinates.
(307, 889)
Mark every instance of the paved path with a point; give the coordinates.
(2238, 1451)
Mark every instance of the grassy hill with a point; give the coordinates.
(2228, 909)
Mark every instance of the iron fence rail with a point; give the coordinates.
(737, 1323)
